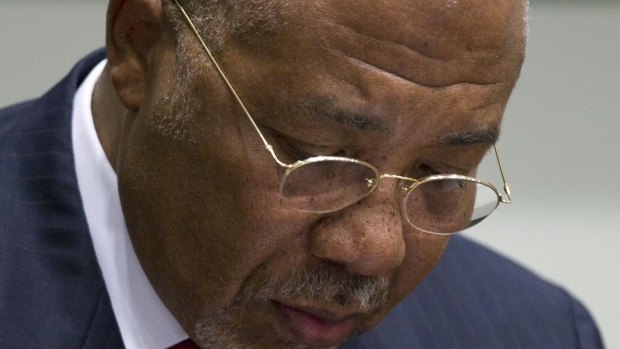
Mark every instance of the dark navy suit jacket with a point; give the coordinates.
(52, 294)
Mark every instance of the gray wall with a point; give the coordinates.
(559, 145)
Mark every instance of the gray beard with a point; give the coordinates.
(325, 284)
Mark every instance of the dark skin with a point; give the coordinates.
(401, 89)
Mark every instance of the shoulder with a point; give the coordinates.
(36, 149)
(57, 101)
(476, 298)
(50, 277)
(26, 126)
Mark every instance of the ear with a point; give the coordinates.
(134, 29)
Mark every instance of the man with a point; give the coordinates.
(286, 183)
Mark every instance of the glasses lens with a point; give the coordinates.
(327, 185)
(446, 206)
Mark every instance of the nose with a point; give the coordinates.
(367, 237)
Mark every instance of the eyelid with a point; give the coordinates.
(302, 149)
(463, 160)
(311, 150)
(443, 169)
(295, 151)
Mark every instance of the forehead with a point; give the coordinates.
(431, 40)
(387, 57)
(447, 24)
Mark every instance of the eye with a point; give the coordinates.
(425, 170)
(299, 150)
(292, 150)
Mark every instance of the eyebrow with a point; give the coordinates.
(486, 136)
(325, 107)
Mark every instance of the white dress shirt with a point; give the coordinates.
(144, 321)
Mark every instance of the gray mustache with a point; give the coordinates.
(325, 284)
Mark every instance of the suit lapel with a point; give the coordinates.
(48, 265)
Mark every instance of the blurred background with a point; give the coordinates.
(560, 142)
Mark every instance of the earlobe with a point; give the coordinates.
(134, 29)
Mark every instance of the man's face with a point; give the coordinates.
(377, 81)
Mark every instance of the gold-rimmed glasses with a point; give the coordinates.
(440, 204)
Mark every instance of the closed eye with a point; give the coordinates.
(294, 151)
(299, 150)
(425, 170)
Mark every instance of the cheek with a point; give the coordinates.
(423, 252)
(200, 218)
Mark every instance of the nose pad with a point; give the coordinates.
(367, 237)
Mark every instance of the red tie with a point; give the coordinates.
(186, 344)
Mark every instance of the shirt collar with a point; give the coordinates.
(143, 320)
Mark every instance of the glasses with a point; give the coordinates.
(441, 204)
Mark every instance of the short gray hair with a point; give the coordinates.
(218, 20)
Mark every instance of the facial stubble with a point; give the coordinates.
(325, 284)
(329, 285)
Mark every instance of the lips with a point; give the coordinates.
(317, 327)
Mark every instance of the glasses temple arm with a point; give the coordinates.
(228, 84)
(501, 172)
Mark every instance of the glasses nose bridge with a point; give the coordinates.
(400, 179)
(399, 192)
(401, 189)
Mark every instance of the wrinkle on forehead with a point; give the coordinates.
(434, 28)
(433, 43)
(430, 85)
(371, 56)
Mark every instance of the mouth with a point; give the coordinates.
(317, 327)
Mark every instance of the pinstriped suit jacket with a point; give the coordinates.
(52, 293)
